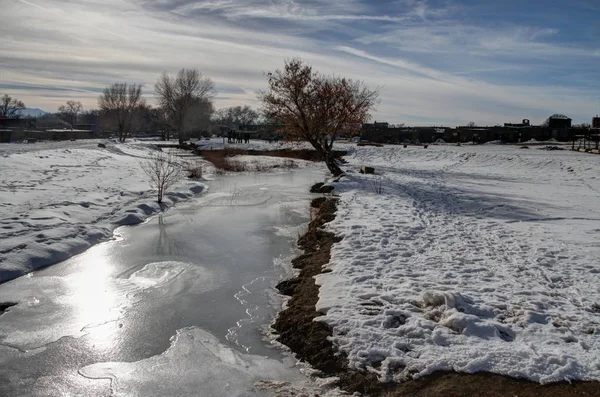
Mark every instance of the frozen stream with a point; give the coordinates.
(176, 306)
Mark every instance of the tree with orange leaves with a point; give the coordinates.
(316, 108)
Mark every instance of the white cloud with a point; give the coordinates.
(66, 45)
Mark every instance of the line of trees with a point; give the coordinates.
(308, 105)
(236, 116)
(185, 104)
(184, 101)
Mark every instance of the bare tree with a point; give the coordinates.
(236, 116)
(89, 117)
(163, 171)
(70, 110)
(198, 121)
(317, 108)
(471, 124)
(10, 108)
(119, 101)
(178, 95)
(158, 120)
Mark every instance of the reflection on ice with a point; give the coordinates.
(196, 364)
(158, 273)
(87, 302)
(93, 296)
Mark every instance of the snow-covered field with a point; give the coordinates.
(472, 258)
(59, 198)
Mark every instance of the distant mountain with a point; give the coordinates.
(31, 112)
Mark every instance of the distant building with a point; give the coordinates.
(559, 121)
(525, 123)
(559, 128)
(596, 122)
(383, 133)
(17, 124)
(14, 129)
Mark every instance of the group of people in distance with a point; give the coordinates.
(235, 136)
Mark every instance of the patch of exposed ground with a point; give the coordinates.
(4, 306)
(221, 158)
(308, 339)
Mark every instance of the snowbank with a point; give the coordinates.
(480, 258)
(60, 198)
(497, 142)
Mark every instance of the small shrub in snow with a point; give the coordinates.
(194, 171)
(377, 185)
(289, 164)
(163, 171)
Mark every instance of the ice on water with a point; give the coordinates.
(52, 307)
(196, 364)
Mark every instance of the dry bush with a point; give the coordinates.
(220, 159)
(163, 171)
(302, 154)
(377, 185)
(216, 157)
(289, 164)
(194, 171)
(235, 165)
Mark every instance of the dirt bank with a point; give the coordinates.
(309, 339)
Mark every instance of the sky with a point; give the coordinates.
(435, 62)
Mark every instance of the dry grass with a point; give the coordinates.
(377, 185)
(223, 162)
(194, 171)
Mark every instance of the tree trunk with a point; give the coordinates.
(331, 163)
(180, 136)
(328, 157)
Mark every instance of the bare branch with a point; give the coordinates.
(163, 171)
(10, 108)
